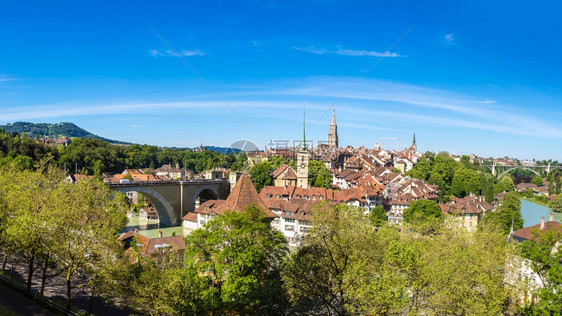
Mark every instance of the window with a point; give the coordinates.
(304, 229)
(289, 220)
(290, 227)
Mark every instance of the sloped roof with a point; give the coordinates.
(527, 232)
(152, 245)
(284, 171)
(242, 195)
(191, 216)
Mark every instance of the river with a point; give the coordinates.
(151, 229)
(532, 213)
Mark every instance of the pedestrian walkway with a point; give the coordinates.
(20, 304)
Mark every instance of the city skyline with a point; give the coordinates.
(465, 78)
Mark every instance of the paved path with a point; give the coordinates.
(18, 303)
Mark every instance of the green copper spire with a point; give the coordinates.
(303, 143)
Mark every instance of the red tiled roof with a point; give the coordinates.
(242, 195)
(527, 232)
(285, 171)
(152, 245)
(191, 216)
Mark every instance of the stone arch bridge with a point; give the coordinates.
(173, 199)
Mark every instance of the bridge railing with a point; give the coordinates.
(198, 181)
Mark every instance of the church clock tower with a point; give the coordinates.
(302, 161)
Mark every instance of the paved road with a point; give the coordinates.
(19, 303)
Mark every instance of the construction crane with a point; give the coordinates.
(397, 139)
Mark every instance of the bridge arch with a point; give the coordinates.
(163, 208)
(514, 168)
(206, 193)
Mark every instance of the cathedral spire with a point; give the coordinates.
(333, 133)
(414, 141)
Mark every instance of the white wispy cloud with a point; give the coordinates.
(352, 52)
(450, 108)
(450, 39)
(346, 52)
(4, 78)
(173, 53)
(371, 105)
(487, 101)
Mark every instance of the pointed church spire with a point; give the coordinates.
(414, 141)
(333, 132)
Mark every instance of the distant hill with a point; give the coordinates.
(57, 130)
(67, 129)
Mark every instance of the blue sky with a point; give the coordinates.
(477, 77)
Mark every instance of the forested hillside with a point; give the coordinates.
(63, 129)
(95, 156)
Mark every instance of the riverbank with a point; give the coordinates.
(532, 213)
(536, 199)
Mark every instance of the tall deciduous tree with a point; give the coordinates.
(240, 256)
(422, 211)
(260, 174)
(556, 204)
(507, 213)
(88, 218)
(545, 259)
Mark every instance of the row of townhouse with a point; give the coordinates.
(408, 192)
(466, 212)
(287, 209)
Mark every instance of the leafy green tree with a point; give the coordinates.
(505, 184)
(318, 175)
(442, 172)
(421, 211)
(508, 212)
(378, 216)
(88, 217)
(487, 181)
(537, 180)
(240, 256)
(465, 181)
(29, 201)
(547, 264)
(260, 174)
(316, 274)
(156, 289)
(556, 204)
(422, 170)
(461, 273)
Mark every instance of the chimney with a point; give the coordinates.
(542, 222)
(551, 217)
(160, 232)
